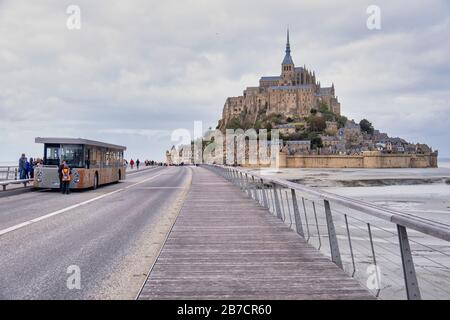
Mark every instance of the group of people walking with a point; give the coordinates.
(132, 163)
(26, 167)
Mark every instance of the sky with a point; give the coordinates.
(137, 70)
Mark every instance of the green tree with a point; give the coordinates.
(342, 120)
(317, 124)
(235, 123)
(316, 141)
(366, 126)
(323, 108)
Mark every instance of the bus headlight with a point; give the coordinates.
(76, 177)
(39, 176)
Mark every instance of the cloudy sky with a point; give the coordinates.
(137, 70)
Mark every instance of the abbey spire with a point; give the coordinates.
(287, 58)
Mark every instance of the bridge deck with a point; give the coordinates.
(225, 246)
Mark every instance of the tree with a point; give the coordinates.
(323, 108)
(366, 126)
(234, 124)
(317, 124)
(316, 141)
(342, 120)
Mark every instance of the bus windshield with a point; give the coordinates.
(52, 155)
(73, 154)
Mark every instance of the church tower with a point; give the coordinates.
(287, 66)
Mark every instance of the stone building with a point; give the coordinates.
(293, 93)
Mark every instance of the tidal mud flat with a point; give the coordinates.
(423, 192)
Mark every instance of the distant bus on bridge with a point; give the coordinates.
(93, 163)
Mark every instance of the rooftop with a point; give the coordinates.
(56, 140)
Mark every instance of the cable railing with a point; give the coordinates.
(395, 255)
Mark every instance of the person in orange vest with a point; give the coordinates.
(66, 177)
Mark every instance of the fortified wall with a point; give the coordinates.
(369, 159)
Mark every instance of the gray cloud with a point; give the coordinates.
(138, 70)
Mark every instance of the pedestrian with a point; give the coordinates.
(131, 164)
(137, 164)
(22, 167)
(32, 165)
(60, 168)
(27, 170)
(66, 177)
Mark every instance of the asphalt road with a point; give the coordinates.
(111, 236)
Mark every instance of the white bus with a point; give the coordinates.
(93, 163)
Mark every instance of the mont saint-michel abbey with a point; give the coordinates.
(313, 132)
(293, 93)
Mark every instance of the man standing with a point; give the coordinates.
(60, 168)
(66, 177)
(32, 164)
(23, 166)
(137, 164)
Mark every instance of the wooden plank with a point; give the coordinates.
(225, 246)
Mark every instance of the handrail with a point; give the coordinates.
(6, 183)
(267, 191)
(435, 229)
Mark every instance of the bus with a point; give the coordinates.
(93, 163)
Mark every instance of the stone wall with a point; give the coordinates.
(367, 160)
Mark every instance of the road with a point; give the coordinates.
(111, 236)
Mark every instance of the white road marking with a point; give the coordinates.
(52, 214)
(156, 188)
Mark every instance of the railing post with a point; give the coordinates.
(256, 190)
(247, 184)
(306, 219)
(297, 218)
(237, 181)
(264, 195)
(277, 202)
(334, 245)
(409, 272)
(242, 182)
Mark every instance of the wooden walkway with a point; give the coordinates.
(225, 246)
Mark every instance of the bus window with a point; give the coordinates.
(51, 155)
(73, 154)
(87, 159)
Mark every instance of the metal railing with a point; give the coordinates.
(9, 173)
(393, 254)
